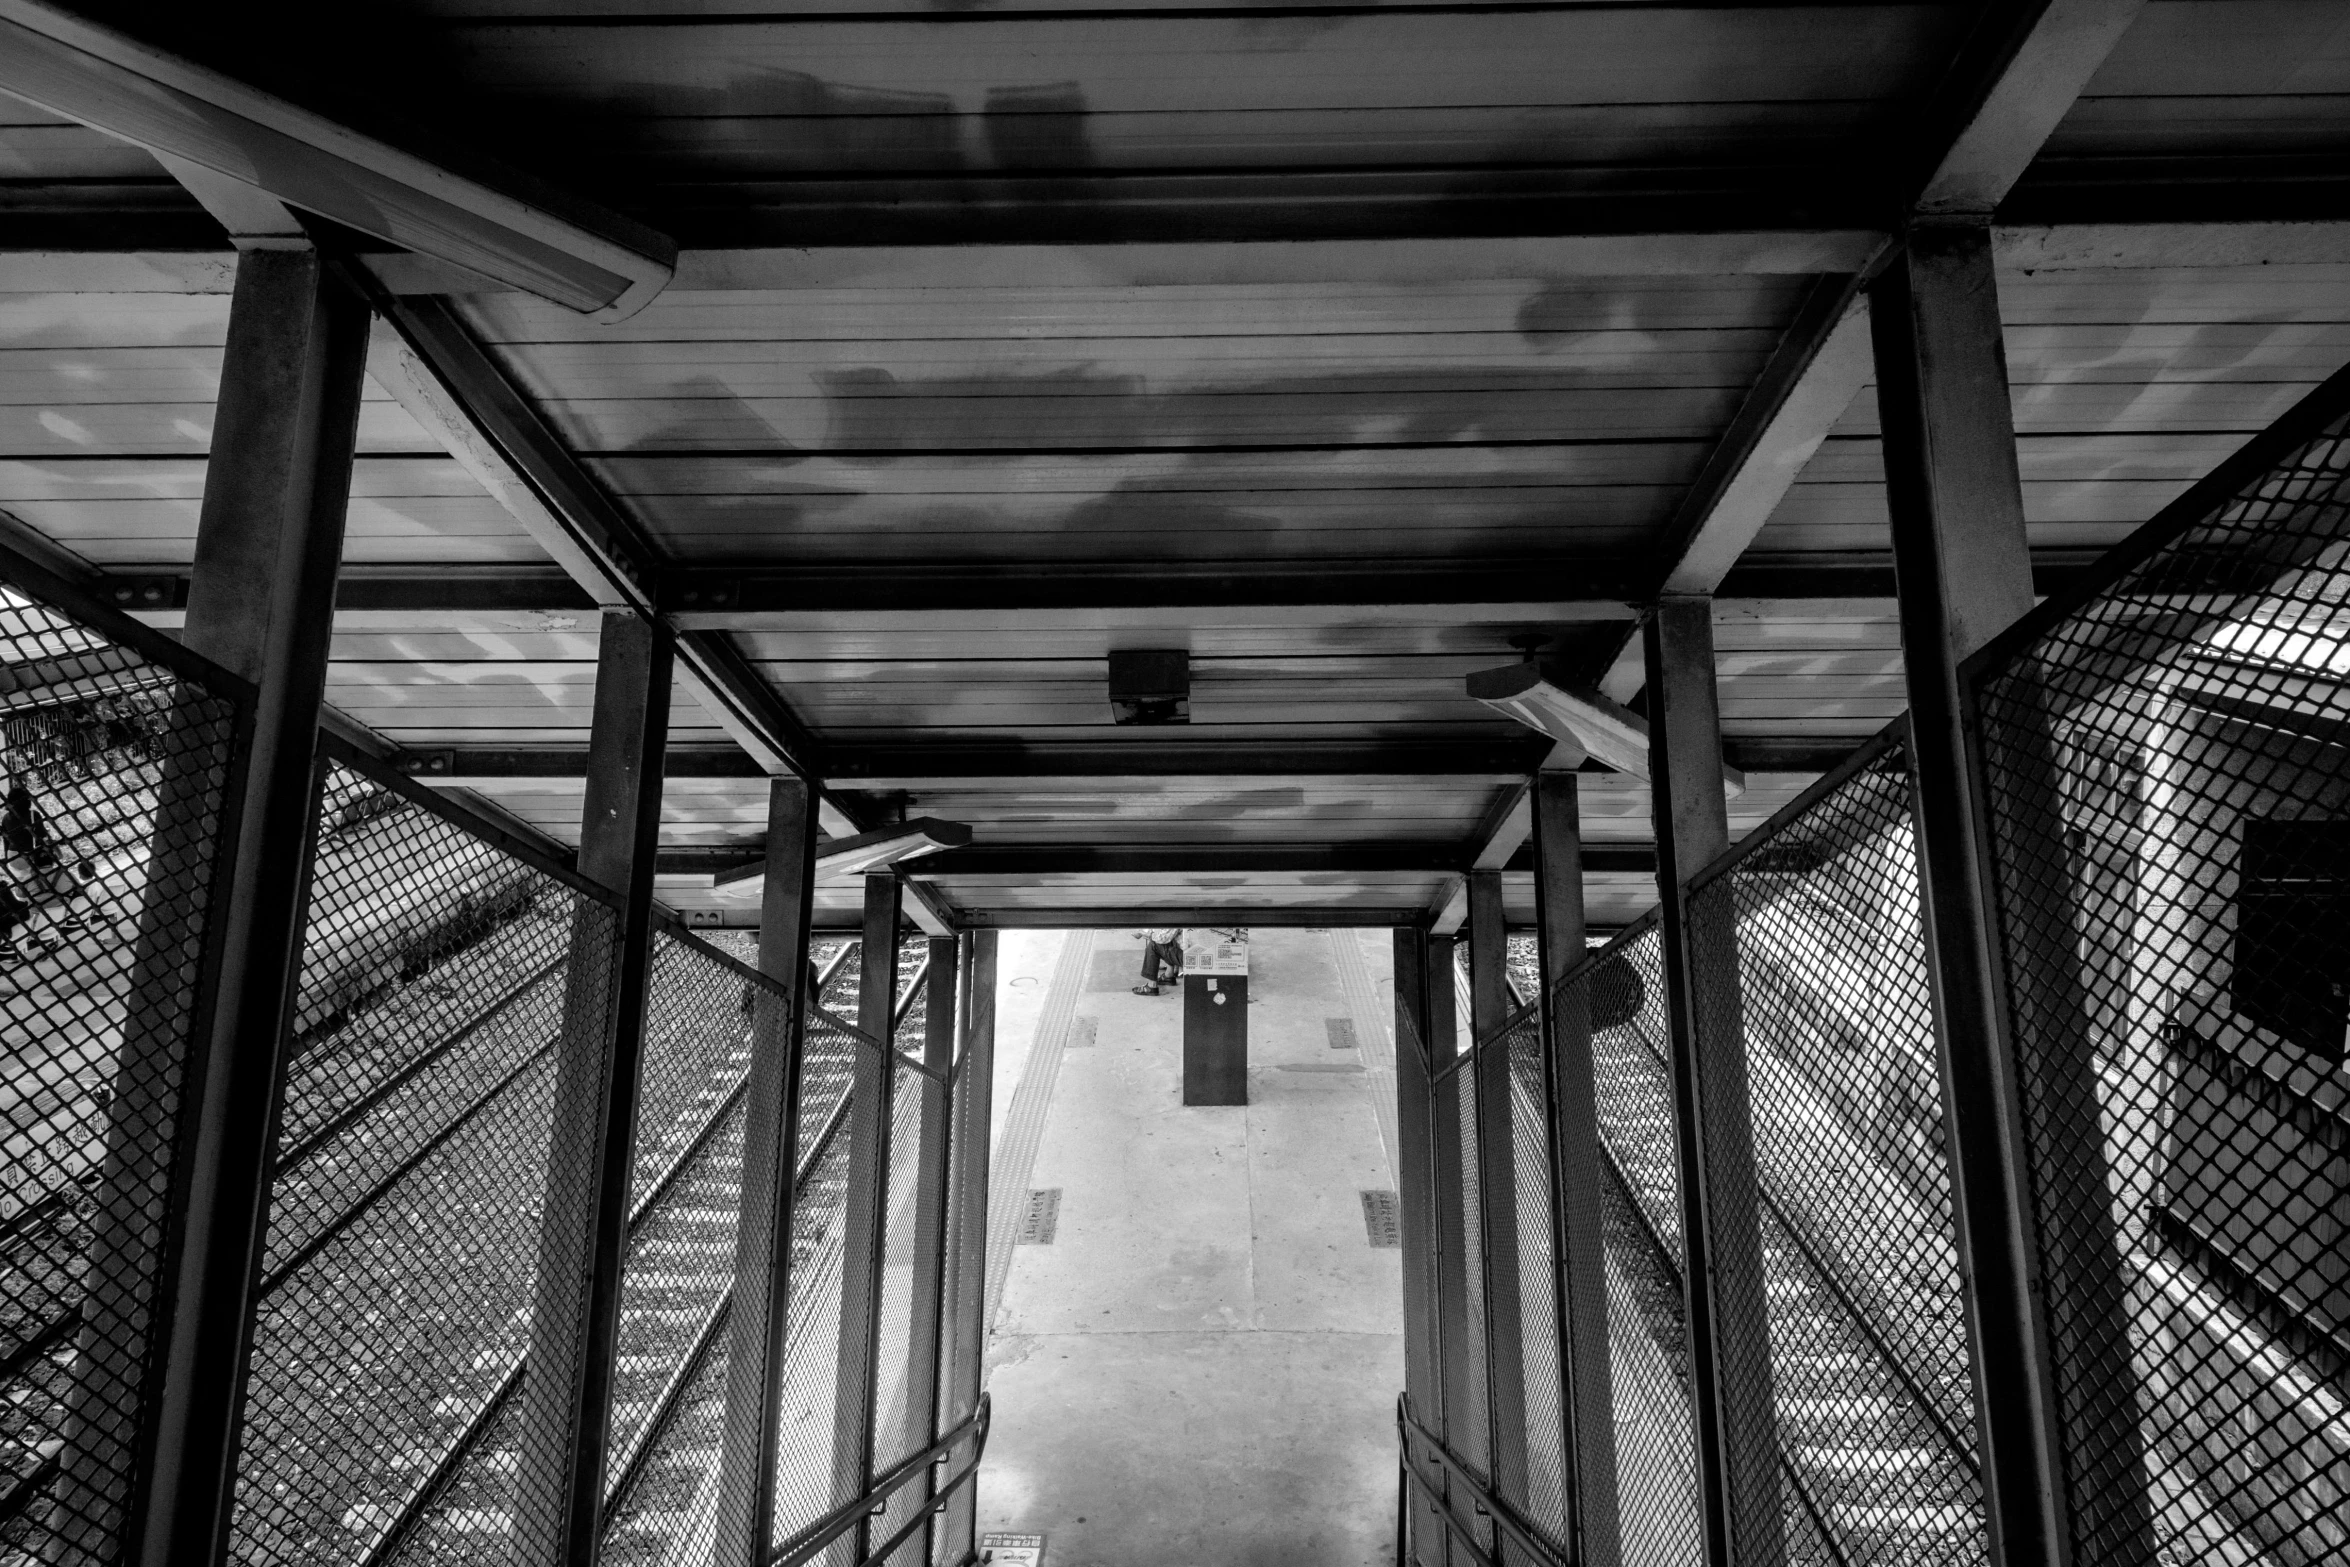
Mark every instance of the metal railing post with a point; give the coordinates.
(965, 1286)
(1963, 573)
(1416, 1187)
(1497, 1185)
(1588, 1398)
(864, 1219)
(583, 1226)
(268, 549)
(942, 982)
(762, 1273)
(1460, 1327)
(1729, 1330)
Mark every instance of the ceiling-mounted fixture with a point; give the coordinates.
(1578, 716)
(1150, 686)
(838, 859)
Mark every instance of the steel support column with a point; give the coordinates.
(1461, 1420)
(1588, 1397)
(1497, 1191)
(567, 1398)
(864, 1226)
(268, 546)
(1416, 1187)
(758, 1317)
(965, 1287)
(1729, 1330)
(942, 992)
(1963, 575)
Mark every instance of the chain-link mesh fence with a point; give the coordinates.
(812, 1476)
(803, 1484)
(118, 752)
(1873, 1403)
(2166, 761)
(668, 1409)
(396, 1289)
(1621, 990)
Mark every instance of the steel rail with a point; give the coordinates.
(656, 1422)
(1670, 1263)
(60, 1328)
(395, 1534)
(655, 1425)
(1958, 1450)
(376, 1193)
(36, 1480)
(359, 1108)
(820, 1537)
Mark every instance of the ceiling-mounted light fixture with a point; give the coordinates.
(839, 859)
(1577, 716)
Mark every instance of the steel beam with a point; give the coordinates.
(741, 598)
(566, 1409)
(1955, 497)
(864, 1220)
(1460, 1274)
(2017, 75)
(965, 1288)
(757, 1320)
(1236, 910)
(949, 763)
(1416, 1188)
(268, 544)
(942, 987)
(1497, 1177)
(444, 376)
(1586, 1394)
(502, 226)
(1499, 835)
(1728, 1315)
(1179, 859)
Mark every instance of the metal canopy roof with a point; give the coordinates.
(1339, 345)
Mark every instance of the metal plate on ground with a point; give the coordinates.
(1042, 1220)
(1083, 1031)
(1012, 1550)
(1382, 1221)
(1342, 1032)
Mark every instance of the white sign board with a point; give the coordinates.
(1210, 956)
(1012, 1550)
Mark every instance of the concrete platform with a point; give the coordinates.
(1200, 1370)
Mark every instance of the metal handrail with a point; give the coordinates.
(853, 1512)
(1488, 1504)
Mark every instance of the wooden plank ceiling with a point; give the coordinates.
(986, 310)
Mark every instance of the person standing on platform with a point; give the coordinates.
(36, 881)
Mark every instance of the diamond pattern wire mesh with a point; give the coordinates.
(670, 1385)
(1869, 1357)
(804, 1483)
(1623, 991)
(117, 775)
(395, 1296)
(902, 1412)
(804, 1445)
(2167, 771)
(1542, 1501)
(1469, 1413)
